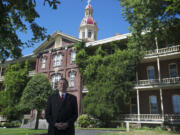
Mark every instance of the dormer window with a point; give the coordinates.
(43, 62)
(57, 60)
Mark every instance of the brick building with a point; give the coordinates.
(156, 93)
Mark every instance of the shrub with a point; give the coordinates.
(11, 124)
(159, 128)
(86, 121)
(83, 121)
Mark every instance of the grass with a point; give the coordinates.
(143, 132)
(20, 131)
(101, 128)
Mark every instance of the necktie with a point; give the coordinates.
(62, 97)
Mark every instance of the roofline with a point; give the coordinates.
(30, 56)
(52, 37)
(107, 40)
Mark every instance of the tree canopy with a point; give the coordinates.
(157, 18)
(15, 80)
(36, 94)
(19, 16)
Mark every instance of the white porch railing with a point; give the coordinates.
(32, 73)
(150, 117)
(172, 117)
(148, 82)
(171, 80)
(1, 78)
(164, 81)
(142, 117)
(163, 51)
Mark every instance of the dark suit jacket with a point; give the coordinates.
(61, 111)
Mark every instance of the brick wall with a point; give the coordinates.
(164, 68)
(167, 100)
(65, 68)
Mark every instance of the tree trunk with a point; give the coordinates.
(37, 120)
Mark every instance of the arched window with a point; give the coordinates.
(72, 79)
(57, 59)
(176, 103)
(54, 80)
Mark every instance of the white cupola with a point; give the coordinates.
(88, 27)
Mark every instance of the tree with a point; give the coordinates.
(35, 95)
(173, 6)
(159, 19)
(107, 72)
(15, 80)
(17, 16)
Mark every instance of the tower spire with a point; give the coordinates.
(88, 27)
(89, 2)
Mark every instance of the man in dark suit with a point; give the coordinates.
(61, 111)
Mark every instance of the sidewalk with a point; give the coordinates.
(92, 132)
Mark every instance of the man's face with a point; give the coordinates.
(62, 86)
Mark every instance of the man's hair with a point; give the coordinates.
(66, 82)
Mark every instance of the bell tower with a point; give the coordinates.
(88, 27)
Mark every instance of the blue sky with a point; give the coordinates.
(69, 14)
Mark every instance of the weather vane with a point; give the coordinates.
(89, 1)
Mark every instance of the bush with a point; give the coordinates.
(159, 128)
(83, 121)
(86, 121)
(11, 124)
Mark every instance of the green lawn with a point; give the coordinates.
(20, 131)
(143, 132)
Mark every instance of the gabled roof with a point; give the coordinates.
(52, 39)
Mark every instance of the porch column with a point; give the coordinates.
(138, 106)
(137, 92)
(162, 107)
(159, 78)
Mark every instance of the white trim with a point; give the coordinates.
(107, 40)
(53, 37)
